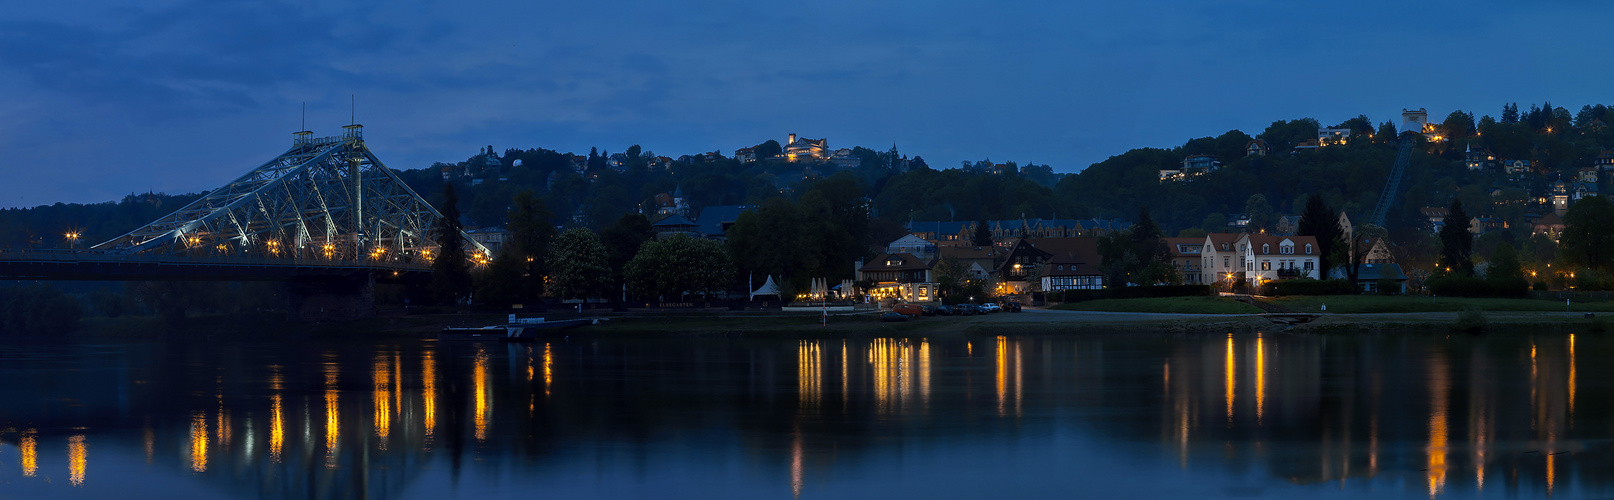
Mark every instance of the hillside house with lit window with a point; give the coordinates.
(803, 149)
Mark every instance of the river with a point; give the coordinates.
(1122, 415)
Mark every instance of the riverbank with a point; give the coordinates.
(739, 324)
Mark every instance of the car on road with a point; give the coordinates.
(991, 308)
(1011, 306)
(909, 310)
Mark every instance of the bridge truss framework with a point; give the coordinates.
(326, 199)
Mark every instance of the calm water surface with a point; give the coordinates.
(1098, 415)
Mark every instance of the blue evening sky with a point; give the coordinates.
(103, 98)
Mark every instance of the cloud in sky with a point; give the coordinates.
(107, 98)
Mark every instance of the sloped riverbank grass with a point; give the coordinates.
(1181, 305)
(1352, 304)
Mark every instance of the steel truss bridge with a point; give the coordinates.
(326, 208)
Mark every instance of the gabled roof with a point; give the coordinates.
(938, 227)
(712, 218)
(673, 220)
(906, 262)
(1275, 242)
(1176, 244)
(1217, 239)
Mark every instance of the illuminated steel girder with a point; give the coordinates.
(325, 198)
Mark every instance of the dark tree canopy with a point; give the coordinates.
(451, 275)
(1319, 221)
(1456, 242)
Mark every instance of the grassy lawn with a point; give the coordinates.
(1409, 304)
(1186, 305)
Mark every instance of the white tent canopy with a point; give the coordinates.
(768, 288)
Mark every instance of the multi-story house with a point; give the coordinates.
(1219, 259)
(1270, 258)
(1185, 258)
(900, 276)
(803, 149)
(1479, 160)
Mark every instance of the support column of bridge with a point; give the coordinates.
(331, 298)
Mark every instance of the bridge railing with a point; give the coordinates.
(66, 256)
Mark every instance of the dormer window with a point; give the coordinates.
(1265, 248)
(1287, 249)
(1308, 249)
(1224, 247)
(893, 261)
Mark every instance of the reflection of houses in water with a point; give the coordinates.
(1306, 409)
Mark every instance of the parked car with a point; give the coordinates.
(944, 310)
(990, 307)
(909, 310)
(967, 309)
(893, 316)
(1011, 306)
(927, 310)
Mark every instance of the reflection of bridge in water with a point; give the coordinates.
(343, 420)
(325, 214)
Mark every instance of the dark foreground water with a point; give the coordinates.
(1088, 415)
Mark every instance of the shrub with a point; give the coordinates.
(1469, 286)
(37, 310)
(1309, 287)
(1470, 321)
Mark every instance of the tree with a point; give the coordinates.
(983, 234)
(951, 276)
(673, 266)
(768, 149)
(1386, 131)
(451, 275)
(1587, 239)
(1458, 125)
(1319, 221)
(1510, 113)
(577, 263)
(531, 228)
(1456, 242)
(622, 240)
(1152, 254)
(1259, 210)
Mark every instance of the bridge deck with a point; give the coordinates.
(96, 265)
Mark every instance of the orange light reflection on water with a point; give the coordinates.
(333, 417)
(809, 373)
(382, 374)
(1230, 382)
(198, 441)
(1261, 380)
(1439, 390)
(428, 394)
(77, 459)
(483, 398)
(28, 445)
